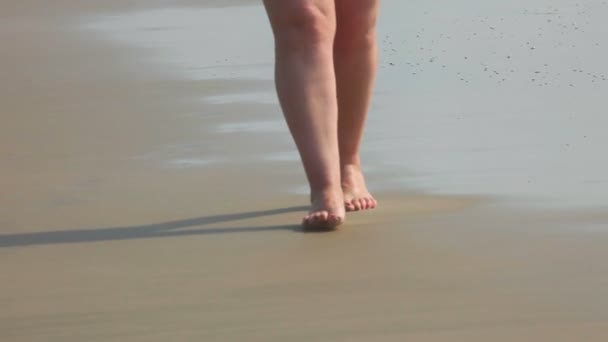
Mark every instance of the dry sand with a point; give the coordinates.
(139, 204)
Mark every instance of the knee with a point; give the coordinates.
(303, 26)
(355, 34)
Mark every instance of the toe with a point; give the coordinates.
(361, 204)
(306, 220)
(334, 220)
(349, 205)
(319, 217)
(367, 202)
(323, 216)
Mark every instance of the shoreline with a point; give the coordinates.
(134, 208)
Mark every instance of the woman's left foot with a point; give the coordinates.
(356, 195)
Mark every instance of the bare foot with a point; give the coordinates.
(326, 210)
(356, 195)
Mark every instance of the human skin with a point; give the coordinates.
(325, 65)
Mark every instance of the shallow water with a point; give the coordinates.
(143, 201)
(504, 101)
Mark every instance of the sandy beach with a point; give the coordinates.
(150, 190)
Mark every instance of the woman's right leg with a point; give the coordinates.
(304, 32)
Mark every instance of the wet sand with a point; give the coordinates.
(138, 204)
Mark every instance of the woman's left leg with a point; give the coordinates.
(355, 64)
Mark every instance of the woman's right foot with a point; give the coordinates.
(326, 211)
(356, 195)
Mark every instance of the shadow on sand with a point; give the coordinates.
(157, 230)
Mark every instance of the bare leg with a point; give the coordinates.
(304, 32)
(355, 60)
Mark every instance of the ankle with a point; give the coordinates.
(325, 193)
(347, 169)
(350, 162)
(351, 176)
